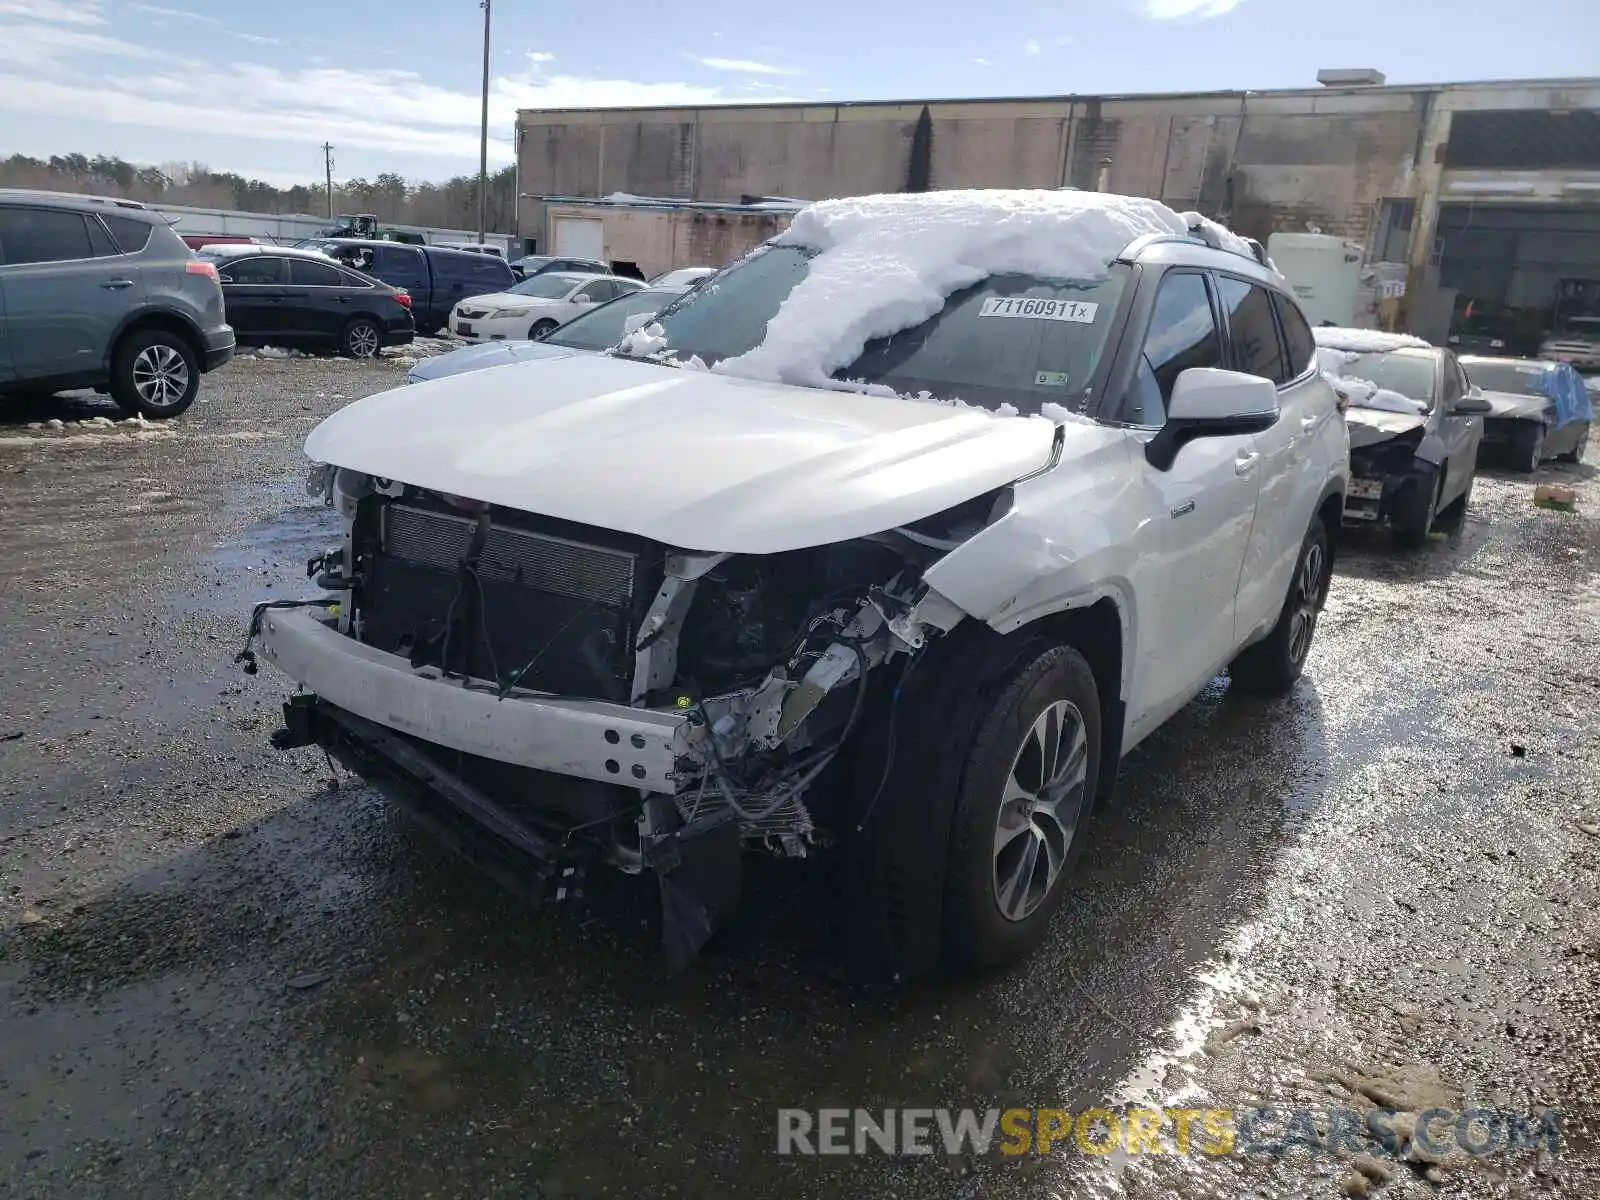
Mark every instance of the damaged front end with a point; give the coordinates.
(1389, 478)
(547, 696)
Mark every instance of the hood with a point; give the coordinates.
(489, 354)
(1369, 426)
(1510, 405)
(695, 460)
(504, 300)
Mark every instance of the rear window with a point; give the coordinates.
(132, 236)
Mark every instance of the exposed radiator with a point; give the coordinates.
(566, 606)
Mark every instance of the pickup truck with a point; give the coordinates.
(887, 565)
(436, 278)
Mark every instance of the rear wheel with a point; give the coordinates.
(1271, 666)
(362, 338)
(1527, 446)
(541, 330)
(154, 374)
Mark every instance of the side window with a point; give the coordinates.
(1183, 333)
(1300, 345)
(598, 291)
(258, 271)
(1251, 329)
(38, 235)
(307, 273)
(346, 279)
(100, 241)
(132, 236)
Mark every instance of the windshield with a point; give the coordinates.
(1410, 375)
(601, 328)
(546, 287)
(1010, 339)
(1515, 379)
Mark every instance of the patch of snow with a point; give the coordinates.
(1363, 393)
(643, 342)
(1007, 410)
(271, 352)
(887, 263)
(1052, 411)
(1365, 341)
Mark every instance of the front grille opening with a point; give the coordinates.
(557, 604)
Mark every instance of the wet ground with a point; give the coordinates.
(221, 975)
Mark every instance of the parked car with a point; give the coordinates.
(600, 328)
(435, 278)
(1538, 410)
(303, 298)
(913, 608)
(102, 293)
(473, 248)
(1575, 340)
(683, 277)
(1415, 423)
(538, 264)
(535, 307)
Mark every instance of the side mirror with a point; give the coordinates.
(583, 300)
(637, 322)
(1472, 405)
(1207, 402)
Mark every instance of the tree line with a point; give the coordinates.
(452, 204)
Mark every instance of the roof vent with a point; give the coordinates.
(1353, 77)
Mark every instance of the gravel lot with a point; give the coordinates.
(223, 975)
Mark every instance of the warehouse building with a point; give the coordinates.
(1483, 200)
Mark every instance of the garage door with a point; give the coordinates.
(580, 237)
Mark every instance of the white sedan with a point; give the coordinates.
(536, 307)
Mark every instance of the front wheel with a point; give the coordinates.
(1414, 519)
(541, 330)
(1527, 447)
(154, 374)
(362, 338)
(1271, 666)
(1575, 455)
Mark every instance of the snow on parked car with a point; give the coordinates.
(755, 595)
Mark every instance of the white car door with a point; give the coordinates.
(582, 299)
(1292, 470)
(1204, 506)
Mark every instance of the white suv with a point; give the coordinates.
(905, 530)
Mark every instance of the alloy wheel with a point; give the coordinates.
(1307, 597)
(160, 376)
(363, 341)
(1040, 810)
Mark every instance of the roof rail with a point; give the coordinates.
(84, 197)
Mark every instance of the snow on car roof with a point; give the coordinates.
(1366, 341)
(888, 262)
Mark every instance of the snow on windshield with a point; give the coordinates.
(887, 263)
(1364, 341)
(1347, 370)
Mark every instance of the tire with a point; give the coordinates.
(1454, 515)
(362, 338)
(1575, 455)
(1271, 666)
(1527, 447)
(154, 374)
(1414, 521)
(428, 330)
(542, 330)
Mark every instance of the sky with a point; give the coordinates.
(395, 86)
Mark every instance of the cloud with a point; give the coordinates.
(539, 56)
(1032, 47)
(254, 39)
(743, 65)
(1177, 10)
(156, 10)
(57, 12)
(983, 62)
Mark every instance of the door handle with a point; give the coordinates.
(341, 299)
(1246, 462)
(116, 285)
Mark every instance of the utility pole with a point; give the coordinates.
(327, 161)
(483, 147)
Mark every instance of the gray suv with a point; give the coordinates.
(102, 293)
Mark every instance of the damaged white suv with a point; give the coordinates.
(887, 545)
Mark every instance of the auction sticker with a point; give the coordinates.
(1039, 310)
